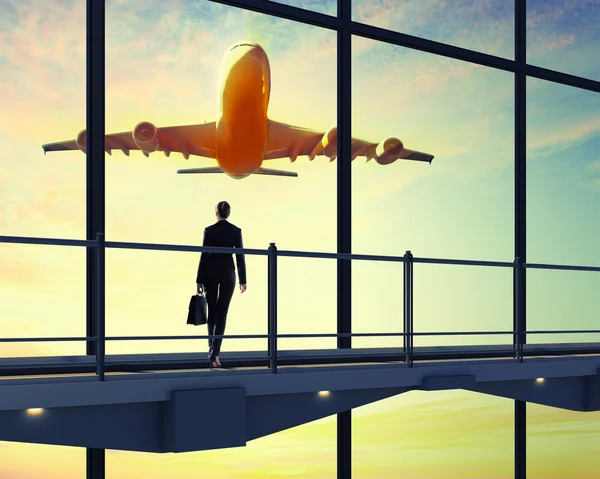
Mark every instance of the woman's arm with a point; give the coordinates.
(200, 276)
(241, 261)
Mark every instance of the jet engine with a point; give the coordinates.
(81, 141)
(327, 146)
(388, 150)
(329, 142)
(144, 136)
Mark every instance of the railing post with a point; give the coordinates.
(100, 300)
(273, 307)
(408, 308)
(519, 333)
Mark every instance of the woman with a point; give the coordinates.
(216, 274)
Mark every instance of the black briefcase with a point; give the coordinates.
(198, 310)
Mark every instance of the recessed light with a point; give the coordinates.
(36, 411)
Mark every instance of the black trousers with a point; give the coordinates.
(218, 296)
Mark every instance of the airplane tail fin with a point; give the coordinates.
(260, 171)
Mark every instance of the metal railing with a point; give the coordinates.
(272, 335)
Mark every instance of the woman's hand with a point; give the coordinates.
(242, 288)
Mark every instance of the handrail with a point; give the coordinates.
(66, 339)
(272, 254)
(561, 267)
(280, 253)
(47, 241)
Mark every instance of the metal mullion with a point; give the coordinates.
(95, 185)
(484, 59)
(344, 219)
(287, 12)
(519, 299)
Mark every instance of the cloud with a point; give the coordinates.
(483, 26)
(557, 137)
(563, 35)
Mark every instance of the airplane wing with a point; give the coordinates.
(288, 141)
(188, 140)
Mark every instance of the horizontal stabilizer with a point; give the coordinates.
(416, 155)
(272, 172)
(260, 171)
(208, 169)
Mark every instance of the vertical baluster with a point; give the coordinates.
(408, 308)
(519, 333)
(273, 307)
(100, 300)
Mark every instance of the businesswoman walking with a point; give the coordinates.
(216, 274)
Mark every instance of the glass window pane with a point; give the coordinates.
(446, 299)
(563, 174)
(148, 293)
(462, 299)
(304, 451)
(23, 460)
(562, 301)
(176, 83)
(42, 294)
(486, 26)
(461, 206)
(562, 443)
(449, 434)
(42, 93)
(564, 35)
(563, 197)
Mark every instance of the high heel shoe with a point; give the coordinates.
(212, 362)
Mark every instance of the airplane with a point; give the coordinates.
(242, 137)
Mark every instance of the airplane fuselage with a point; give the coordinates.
(242, 123)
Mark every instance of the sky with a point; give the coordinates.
(162, 61)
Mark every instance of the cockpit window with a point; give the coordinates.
(242, 45)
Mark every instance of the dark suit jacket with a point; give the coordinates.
(216, 266)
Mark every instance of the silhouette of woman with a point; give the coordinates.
(216, 275)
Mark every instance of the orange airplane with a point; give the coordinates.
(243, 136)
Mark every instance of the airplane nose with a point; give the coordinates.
(243, 50)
